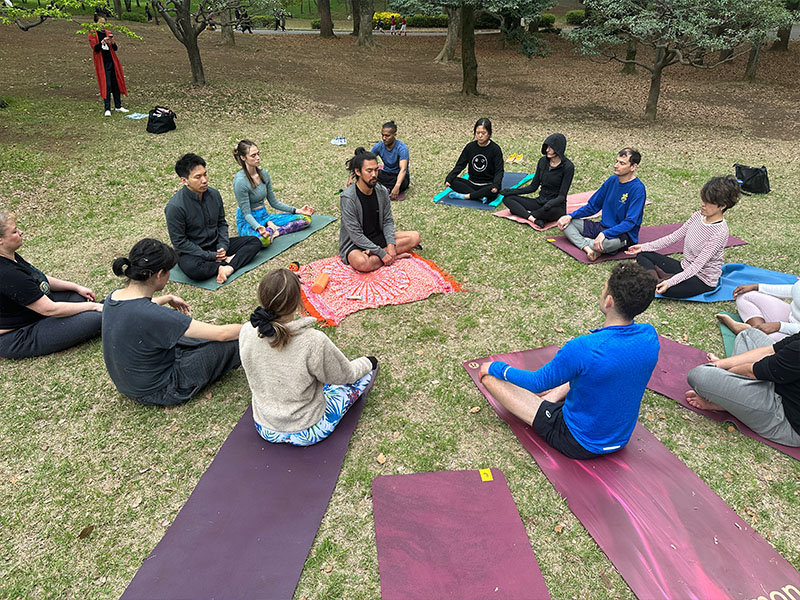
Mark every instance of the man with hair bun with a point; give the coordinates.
(198, 229)
(394, 155)
(367, 238)
(585, 401)
(621, 198)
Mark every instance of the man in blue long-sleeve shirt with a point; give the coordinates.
(585, 401)
(621, 198)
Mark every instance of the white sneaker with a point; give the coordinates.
(107, 113)
(123, 110)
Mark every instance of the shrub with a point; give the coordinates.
(316, 23)
(576, 17)
(136, 17)
(387, 18)
(427, 21)
(546, 20)
(487, 21)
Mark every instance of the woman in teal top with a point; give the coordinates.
(252, 186)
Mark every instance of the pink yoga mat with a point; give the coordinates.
(669, 379)
(452, 534)
(574, 202)
(646, 234)
(667, 533)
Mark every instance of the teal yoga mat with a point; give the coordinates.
(510, 180)
(727, 335)
(280, 244)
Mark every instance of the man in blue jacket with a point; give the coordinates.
(585, 401)
(621, 198)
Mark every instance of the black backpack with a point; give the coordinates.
(160, 120)
(752, 179)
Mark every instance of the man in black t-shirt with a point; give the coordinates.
(759, 385)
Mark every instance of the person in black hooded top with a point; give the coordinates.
(553, 177)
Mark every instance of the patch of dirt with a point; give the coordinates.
(336, 77)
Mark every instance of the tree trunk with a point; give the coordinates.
(752, 62)
(655, 84)
(182, 27)
(128, 5)
(193, 50)
(118, 8)
(469, 64)
(365, 10)
(781, 44)
(226, 33)
(630, 54)
(357, 17)
(448, 53)
(326, 22)
(155, 11)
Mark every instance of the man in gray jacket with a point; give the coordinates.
(367, 238)
(198, 229)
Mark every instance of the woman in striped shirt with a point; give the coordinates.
(705, 235)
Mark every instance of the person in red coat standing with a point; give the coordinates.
(106, 66)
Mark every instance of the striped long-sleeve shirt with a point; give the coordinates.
(703, 247)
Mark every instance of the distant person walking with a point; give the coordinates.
(403, 27)
(393, 26)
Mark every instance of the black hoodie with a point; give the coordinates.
(554, 181)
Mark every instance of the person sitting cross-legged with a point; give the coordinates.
(759, 385)
(483, 159)
(394, 154)
(760, 306)
(367, 238)
(621, 198)
(585, 401)
(198, 229)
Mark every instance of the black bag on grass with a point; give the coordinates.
(160, 120)
(752, 179)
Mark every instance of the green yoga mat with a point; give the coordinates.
(727, 335)
(280, 244)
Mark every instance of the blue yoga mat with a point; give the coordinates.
(734, 275)
(510, 180)
(279, 244)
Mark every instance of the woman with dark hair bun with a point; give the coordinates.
(39, 314)
(704, 237)
(483, 160)
(154, 355)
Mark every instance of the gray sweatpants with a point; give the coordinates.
(574, 233)
(752, 401)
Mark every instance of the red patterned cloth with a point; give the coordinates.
(348, 291)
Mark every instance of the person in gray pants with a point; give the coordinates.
(759, 385)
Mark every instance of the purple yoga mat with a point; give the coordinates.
(452, 534)
(669, 379)
(246, 530)
(646, 234)
(667, 533)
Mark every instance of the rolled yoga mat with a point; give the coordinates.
(667, 533)
(510, 180)
(646, 234)
(669, 379)
(452, 534)
(278, 245)
(247, 528)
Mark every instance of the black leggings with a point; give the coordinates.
(52, 334)
(525, 207)
(663, 266)
(476, 191)
(389, 180)
(200, 269)
(112, 89)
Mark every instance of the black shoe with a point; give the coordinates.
(538, 222)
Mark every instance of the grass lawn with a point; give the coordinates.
(77, 454)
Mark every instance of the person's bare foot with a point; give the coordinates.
(223, 273)
(734, 326)
(712, 357)
(591, 253)
(701, 403)
(403, 255)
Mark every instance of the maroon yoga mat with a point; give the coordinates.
(452, 534)
(669, 379)
(246, 530)
(667, 533)
(646, 234)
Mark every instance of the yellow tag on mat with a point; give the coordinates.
(486, 474)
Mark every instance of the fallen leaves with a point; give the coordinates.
(558, 528)
(135, 501)
(475, 409)
(86, 532)
(381, 458)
